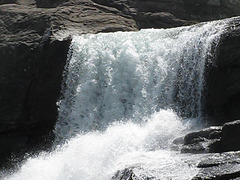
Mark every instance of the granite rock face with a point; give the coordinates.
(187, 10)
(223, 78)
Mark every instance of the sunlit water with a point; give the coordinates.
(125, 98)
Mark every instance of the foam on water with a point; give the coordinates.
(99, 155)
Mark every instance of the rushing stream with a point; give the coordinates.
(126, 97)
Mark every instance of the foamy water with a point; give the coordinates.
(99, 155)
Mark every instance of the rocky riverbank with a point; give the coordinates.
(223, 143)
(220, 146)
(34, 41)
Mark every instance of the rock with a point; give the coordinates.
(124, 174)
(224, 166)
(214, 146)
(211, 140)
(159, 19)
(177, 144)
(128, 174)
(203, 141)
(230, 140)
(178, 141)
(208, 133)
(182, 12)
(194, 148)
(49, 3)
(223, 78)
(8, 2)
(204, 146)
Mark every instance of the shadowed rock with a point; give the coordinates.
(230, 140)
(223, 78)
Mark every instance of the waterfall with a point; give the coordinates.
(125, 96)
(130, 75)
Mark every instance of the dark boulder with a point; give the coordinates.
(230, 140)
(202, 141)
(223, 78)
(198, 136)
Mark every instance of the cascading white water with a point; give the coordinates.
(121, 76)
(123, 95)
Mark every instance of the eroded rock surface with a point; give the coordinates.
(224, 166)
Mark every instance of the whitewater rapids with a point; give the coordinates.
(99, 155)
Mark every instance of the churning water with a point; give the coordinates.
(125, 96)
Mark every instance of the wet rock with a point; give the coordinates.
(223, 78)
(205, 146)
(214, 146)
(224, 166)
(193, 148)
(177, 144)
(202, 141)
(178, 141)
(124, 174)
(212, 140)
(128, 174)
(198, 136)
(230, 140)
